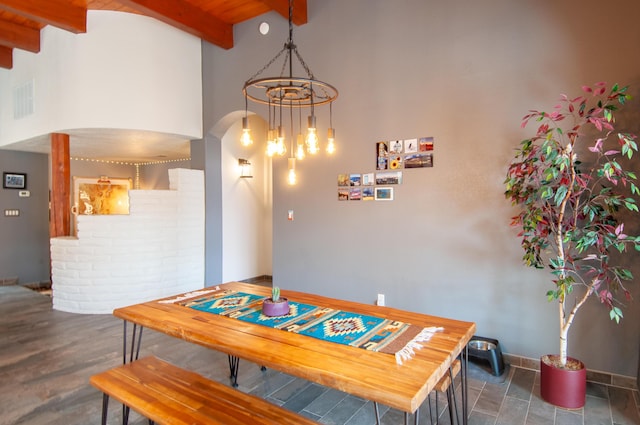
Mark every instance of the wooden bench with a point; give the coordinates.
(169, 395)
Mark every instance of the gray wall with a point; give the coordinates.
(24, 240)
(462, 72)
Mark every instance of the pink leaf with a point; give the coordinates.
(586, 89)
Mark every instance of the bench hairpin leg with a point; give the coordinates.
(234, 365)
(105, 408)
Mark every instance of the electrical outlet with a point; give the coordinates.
(380, 300)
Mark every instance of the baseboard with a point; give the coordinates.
(258, 279)
(604, 378)
(7, 281)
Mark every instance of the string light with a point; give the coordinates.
(130, 164)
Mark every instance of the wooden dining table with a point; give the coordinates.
(373, 376)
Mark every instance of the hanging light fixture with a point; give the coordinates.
(289, 91)
(246, 131)
(331, 134)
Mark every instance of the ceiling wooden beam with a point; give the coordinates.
(20, 37)
(6, 57)
(186, 17)
(282, 7)
(58, 13)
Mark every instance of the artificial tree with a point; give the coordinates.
(571, 183)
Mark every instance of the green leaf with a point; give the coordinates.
(561, 193)
(615, 314)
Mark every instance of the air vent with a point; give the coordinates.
(23, 103)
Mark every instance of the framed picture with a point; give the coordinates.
(14, 180)
(384, 194)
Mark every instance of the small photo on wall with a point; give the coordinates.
(395, 146)
(425, 144)
(420, 160)
(367, 194)
(411, 145)
(384, 194)
(382, 163)
(355, 194)
(355, 180)
(343, 194)
(389, 177)
(382, 149)
(343, 179)
(367, 179)
(395, 162)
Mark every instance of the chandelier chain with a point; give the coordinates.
(275, 58)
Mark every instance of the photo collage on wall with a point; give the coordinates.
(408, 153)
(391, 157)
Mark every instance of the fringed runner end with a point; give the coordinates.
(408, 351)
(189, 295)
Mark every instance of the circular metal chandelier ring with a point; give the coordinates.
(290, 92)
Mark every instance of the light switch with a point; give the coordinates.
(290, 215)
(11, 213)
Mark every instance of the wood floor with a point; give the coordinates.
(47, 357)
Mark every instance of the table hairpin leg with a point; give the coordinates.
(136, 341)
(135, 348)
(234, 364)
(377, 412)
(464, 382)
(406, 414)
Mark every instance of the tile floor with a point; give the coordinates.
(47, 357)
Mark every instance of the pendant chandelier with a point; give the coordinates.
(289, 92)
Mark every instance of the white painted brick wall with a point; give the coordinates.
(116, 260)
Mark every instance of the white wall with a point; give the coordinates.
(247, 205)
(127, 71)
(117, 260)
(465, 73)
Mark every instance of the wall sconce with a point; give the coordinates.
(245, 168)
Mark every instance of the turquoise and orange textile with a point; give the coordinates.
(341, 327)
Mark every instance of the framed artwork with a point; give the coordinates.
(384, 194)
(14, 180)
(101, 196)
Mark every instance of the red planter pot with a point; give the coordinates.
(563, 387)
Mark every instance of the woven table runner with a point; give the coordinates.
(341, 327)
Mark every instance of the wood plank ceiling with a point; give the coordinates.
(211, 20)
